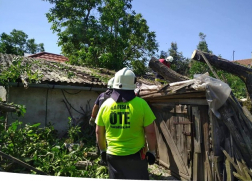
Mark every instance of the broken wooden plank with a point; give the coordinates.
(227, 114)
(215, 160)
(210, 177)
(242, 178)
(179, 101)
(176, 155)
(228, 170)
(247, 170)
(232, 161)
(248, 115)
(240, 165)
(181, 86)
(190, 94)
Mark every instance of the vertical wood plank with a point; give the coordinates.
(228, 170)
(205, 171)
(205, 127)
(195, 166)
(210, 177)
(197, 128)
(177, 157)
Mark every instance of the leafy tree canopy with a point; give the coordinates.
(163, 55)
(180, 63)
(17, 43)
(102, 33)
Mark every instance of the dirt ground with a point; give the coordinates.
(158, 172)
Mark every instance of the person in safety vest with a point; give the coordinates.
(123, 126)
(167, 63)
(100, 99)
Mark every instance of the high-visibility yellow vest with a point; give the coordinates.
(124, 124)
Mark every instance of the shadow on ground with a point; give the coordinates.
(158, 172)
(160, 177)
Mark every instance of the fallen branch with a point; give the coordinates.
(82, 165)
(91, 155)
(21, 163)
(8, 108)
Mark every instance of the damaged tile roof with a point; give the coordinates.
(245, 62)
(62, 73)
(50, 57)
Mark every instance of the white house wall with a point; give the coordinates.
(35, 101)
(2, 93)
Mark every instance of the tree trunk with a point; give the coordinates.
(244, 73)
(166, 72)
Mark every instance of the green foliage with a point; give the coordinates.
(73, 131)
(17, 43)
(113, 37)
(248, 104)
(236, 84)
(41, 148)
(19, 69)
(202, 44)
(199, 67)
(180, 63)
(163, 54)
(139, 67)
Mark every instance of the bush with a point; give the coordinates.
(41, 148)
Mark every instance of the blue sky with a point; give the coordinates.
(227, 24)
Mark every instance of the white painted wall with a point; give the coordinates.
(2, 93)
(35, 101)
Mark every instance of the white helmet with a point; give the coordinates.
(110, 83)
(169, 59)
(125, 79)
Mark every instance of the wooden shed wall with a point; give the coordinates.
(183, 137)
